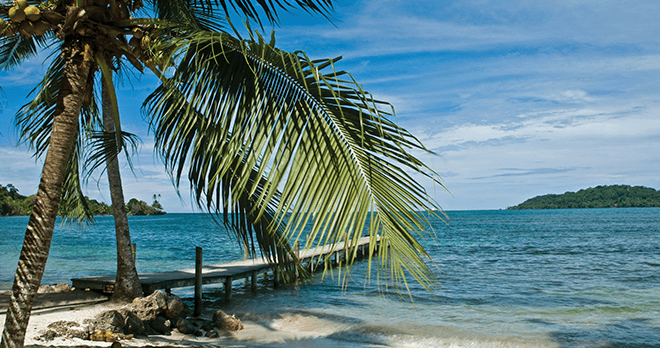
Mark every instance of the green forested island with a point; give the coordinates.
(13, 203)
(612, 196)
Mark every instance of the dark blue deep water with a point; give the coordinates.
(550, 278)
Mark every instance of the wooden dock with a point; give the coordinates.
(224, 273)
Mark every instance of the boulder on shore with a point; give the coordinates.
(148, 308)
(118, 321)
(47, 289)
(184, 326)
(174, 306)
(227, 322)
(63, 328)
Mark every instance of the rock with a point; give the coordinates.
(212, 334)
(161, 325)
(62, 287)
(47, 335)
(133, 325)
(148, 308)
(174, 306)
(45, 289)
(227, 322)
(110, 320)
(208, 326)
(78, 332)
(63, 328)
(184, 327)
(118, 321)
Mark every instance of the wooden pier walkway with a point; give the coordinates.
(224, 273)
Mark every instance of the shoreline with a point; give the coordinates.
(295, 328)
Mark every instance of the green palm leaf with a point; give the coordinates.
(325, 150)
(15, 49)
(195, 14)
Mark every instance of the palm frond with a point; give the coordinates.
(255, 234)
(206, 10)
(326, 149)
(102, 147)
(74, 206)
(34, 120)
(195, 14)
(15, 49)
(270, 8)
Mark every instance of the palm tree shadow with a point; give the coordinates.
(630, 333)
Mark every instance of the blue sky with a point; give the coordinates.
(516, 98)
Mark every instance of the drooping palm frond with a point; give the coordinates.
(250, 9)
(325, 149)
(34, 120)
(102, 147)
(270, 7)
(73, 205)
(15, 49)
(195, 14)
(255, 234)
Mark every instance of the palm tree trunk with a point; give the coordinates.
(127, 283)
(39, 233)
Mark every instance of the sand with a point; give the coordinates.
(283, 329)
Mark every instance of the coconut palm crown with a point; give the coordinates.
(273, 142)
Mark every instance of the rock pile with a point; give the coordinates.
(157, 313)
(49, 289)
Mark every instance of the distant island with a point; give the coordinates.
(612, 196)
(13, 203)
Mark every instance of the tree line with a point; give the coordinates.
(612, 196)
(13, 203)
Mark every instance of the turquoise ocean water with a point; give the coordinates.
(550, 278)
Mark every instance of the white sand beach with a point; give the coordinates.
(277, 330)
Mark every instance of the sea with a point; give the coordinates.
(508, 278)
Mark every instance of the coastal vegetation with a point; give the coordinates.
(612, 196)
(258, 132)
(13, 203)
(136, 207)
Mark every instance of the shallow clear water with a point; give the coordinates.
(551, 278)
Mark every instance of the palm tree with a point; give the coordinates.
(127, 282)
(272, 139)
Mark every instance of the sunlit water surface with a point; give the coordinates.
(551, 278)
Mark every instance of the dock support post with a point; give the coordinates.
(276, 278)
(198, 282)
(134, 251)
(254, 282)
(228, 282)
